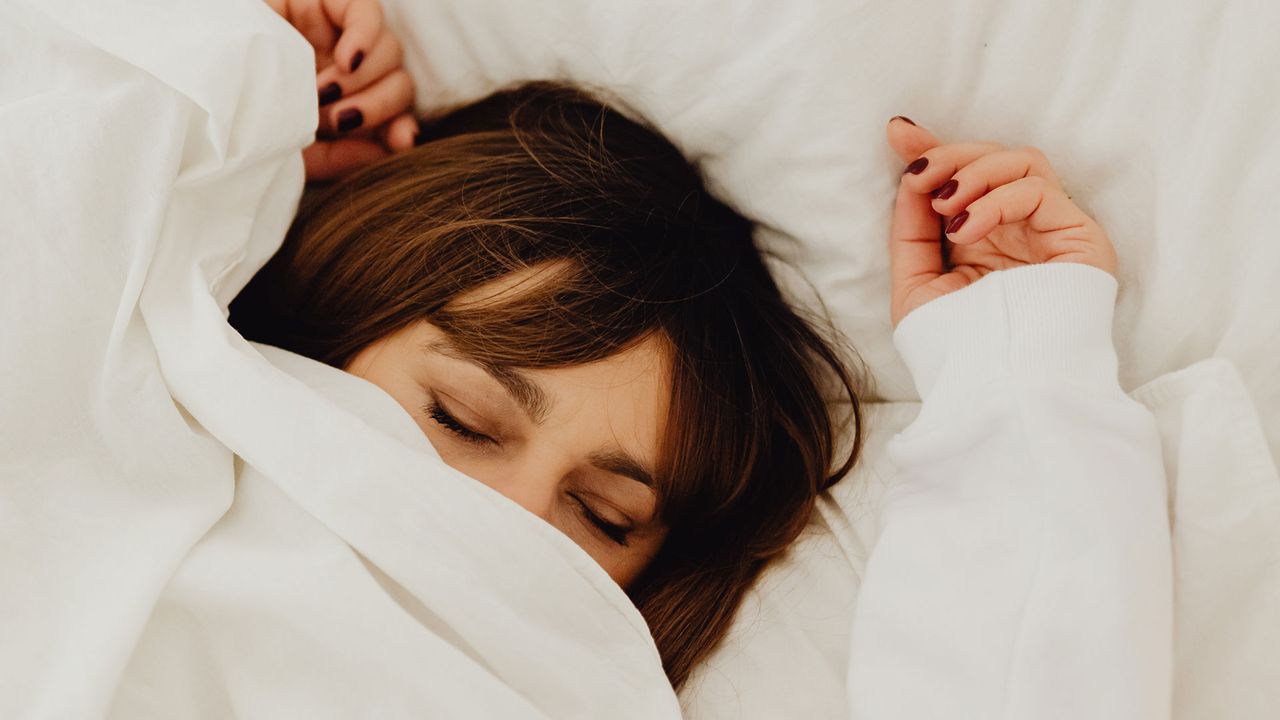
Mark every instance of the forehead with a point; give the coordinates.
(622, 400)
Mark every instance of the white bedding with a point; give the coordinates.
(189, 528)
(150, 166)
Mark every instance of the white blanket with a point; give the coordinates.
(188, 529)
(149, 165)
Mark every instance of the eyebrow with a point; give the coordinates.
(620, 463)
(527, 394)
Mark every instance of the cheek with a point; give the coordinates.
(474, 465)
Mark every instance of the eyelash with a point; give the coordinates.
(453, 425)
(616, 533)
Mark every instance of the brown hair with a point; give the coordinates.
(545, 173)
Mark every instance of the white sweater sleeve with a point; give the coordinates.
(1023, 566)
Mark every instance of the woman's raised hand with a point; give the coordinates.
(967, 209)
(365, 95)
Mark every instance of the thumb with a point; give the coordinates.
(909, 140)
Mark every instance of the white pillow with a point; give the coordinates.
(1159, 118)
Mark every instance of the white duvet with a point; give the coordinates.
(194, 527)
(149, 166)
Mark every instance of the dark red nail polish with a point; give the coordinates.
(957, 222)
(917, 166)
(904, 118)
(330, 93)
(350, 119)
(356, 60)
(947, 190)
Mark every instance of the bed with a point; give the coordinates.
(1159, 119)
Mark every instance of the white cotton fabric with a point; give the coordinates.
(916, 576)
(194, 527)
(1022, 567)
(150, 165)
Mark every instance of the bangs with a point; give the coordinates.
(539, 228)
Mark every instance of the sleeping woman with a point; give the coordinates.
(549, 288)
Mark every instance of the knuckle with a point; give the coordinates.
(1035, 182)
(1033, 153)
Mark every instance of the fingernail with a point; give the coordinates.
(947, 190)
(903, 118)
(957, 221)
(350, 119)
(356, 60)
(330, 93)
(421, 137)
(917, 166)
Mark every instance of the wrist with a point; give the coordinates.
(1045, 321)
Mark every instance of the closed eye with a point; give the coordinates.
(612, 531)
(436, 412)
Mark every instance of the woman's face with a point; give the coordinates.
(575, 446)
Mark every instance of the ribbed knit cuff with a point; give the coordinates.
(1037, 321)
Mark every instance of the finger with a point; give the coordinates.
(326, 160)
(909, 140)
(374, 105)
(915, 248)
(1034, 199)
(989, 172)
(401, 133)
(309, 18)
(334, 82)
(360, 22)
(937, 165)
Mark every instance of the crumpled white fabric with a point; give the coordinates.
(789, 646)
(191, 529)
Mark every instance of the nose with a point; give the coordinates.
(533, 489)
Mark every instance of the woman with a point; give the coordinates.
(549, 289)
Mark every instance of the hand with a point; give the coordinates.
(967, 209)
(365, 95)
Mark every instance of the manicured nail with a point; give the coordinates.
(957, 222)
(330, 93)
(350, 119)
(903, 118)
(421, 137)
(917, 166)
(947, 190)
(356, 60)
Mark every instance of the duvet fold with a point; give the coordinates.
(193, 526)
